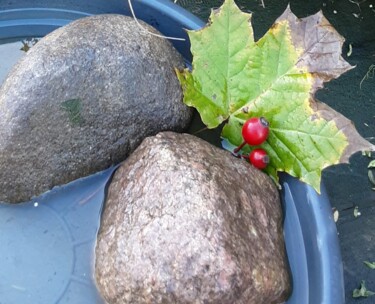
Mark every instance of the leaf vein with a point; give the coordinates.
(302, 165)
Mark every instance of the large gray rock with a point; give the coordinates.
(186, 222)
(81, 100)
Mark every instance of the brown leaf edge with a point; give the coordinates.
(355, 141)
(322, 46)
(321, 43)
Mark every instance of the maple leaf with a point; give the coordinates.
(234, 78)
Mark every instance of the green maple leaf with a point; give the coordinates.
(235, 78)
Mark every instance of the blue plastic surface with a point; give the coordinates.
(47, 245)
(47, 249)
(312, 245)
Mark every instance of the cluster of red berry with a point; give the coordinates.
(255, 132)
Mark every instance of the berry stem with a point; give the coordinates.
(239, 147)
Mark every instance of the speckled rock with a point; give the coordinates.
(186, 222)
(81, 100)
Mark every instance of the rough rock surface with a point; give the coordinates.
(186, 222)
(82, 99)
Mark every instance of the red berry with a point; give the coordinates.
(259, 158)
(255, 131)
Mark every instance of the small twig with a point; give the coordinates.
(370, 74)
(262, 2)
(147, 31)
(358, 3)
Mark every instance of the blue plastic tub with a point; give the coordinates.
(47, 244)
